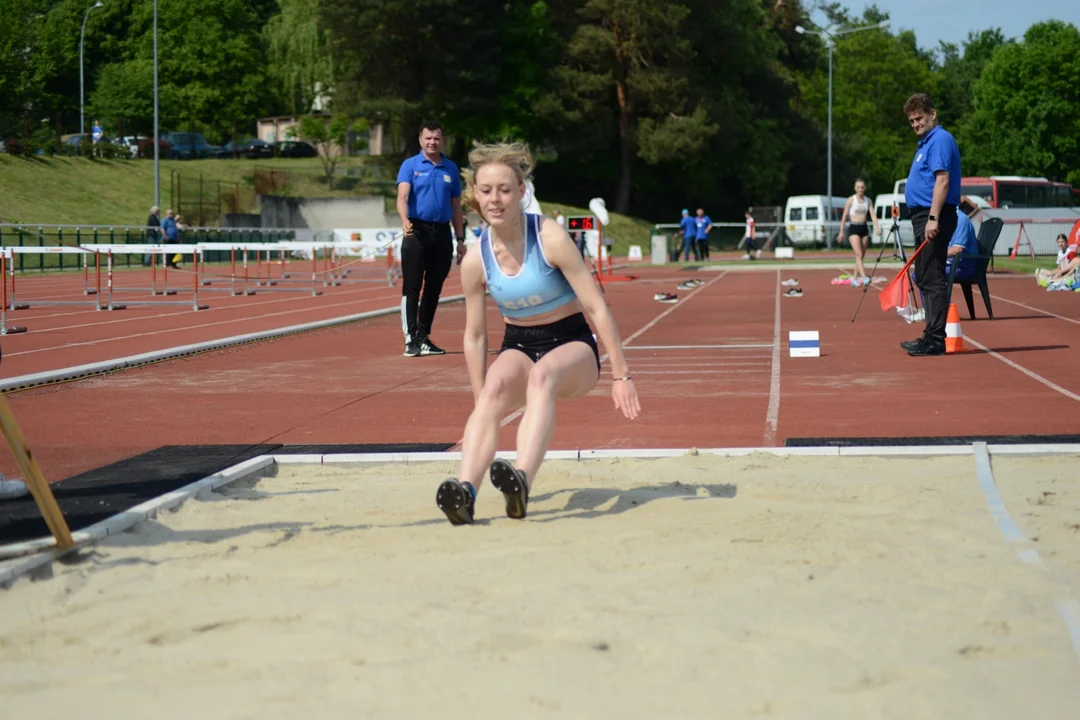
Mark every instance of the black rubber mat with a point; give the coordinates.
(95, 495)
(98, 494)
(942, 440)
(362, 448)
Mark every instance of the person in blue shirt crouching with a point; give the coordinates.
(429, 198)
(964, 243)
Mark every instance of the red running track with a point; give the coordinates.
(712, 371)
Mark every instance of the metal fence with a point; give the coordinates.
(74, 235)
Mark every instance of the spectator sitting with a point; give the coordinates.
(963, 243)
(1066, 263)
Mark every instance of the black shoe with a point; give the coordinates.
(511, 483)
(457, 500)
(429, 348)
(926, 347)
(908, 344)
(412, 348)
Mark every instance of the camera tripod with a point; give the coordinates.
(891, 238)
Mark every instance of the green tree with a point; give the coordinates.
(330, 137)
(959, 72)
(874, 72)
(630, 56)
(300, 62)
(1027, 109)
(20, 81)
(124, 95)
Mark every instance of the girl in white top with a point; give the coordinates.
(856, 210)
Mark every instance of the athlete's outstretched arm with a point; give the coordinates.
(475, 343)
(563, 254)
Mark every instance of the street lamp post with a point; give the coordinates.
(830, 34)
(82, 36)
(157, 149)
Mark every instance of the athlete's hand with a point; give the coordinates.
(625, 396)
(461, 249)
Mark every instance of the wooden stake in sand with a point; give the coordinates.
(35, 481)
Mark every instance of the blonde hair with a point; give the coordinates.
(515, 156)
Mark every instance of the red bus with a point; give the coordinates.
(1012, 191)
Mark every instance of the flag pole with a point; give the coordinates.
(898, 246)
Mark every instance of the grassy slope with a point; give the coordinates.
(77, 191)
(62, 191)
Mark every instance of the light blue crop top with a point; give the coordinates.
(537, 288)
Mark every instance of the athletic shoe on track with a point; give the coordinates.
(429, 348)
(666, 298)
(412, 349)
(688, 285)
(457, 500)
(511, 483)
(793, 292)
(790, 282)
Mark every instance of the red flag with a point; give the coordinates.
(895, 293)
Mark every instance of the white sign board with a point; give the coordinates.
(804, 343)
(371, 242)
(635, 253)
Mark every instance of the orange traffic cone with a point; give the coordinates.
(954, 336)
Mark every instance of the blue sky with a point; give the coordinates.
(951, 20)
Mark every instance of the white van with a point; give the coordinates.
(809, 222)
(883, 205)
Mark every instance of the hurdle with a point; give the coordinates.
(10, 303)
(113, 305)
(5, 261)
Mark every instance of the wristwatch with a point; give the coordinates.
(932, 217)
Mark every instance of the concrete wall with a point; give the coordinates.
(324, 213)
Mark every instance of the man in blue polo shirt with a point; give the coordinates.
(429, 199)
(932, 194)
(704, 226)
(964, 244)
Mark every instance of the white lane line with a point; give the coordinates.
(1069, 609)
(1035, 309)
(1016, 366)
(247, 318)
(989, 489)
(521, 410)
(772, 416)
(1030, 373)
(701, 347)
(1070, 613)
(649, 325)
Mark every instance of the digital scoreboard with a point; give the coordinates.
(581, 222)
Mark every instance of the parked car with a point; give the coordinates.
(253, 148)
(188, 145)
(145, 147)
(813, 219)
(296, 149)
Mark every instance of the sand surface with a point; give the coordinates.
(692, 587)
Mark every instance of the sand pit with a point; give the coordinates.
(692, 587)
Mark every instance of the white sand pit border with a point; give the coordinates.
(34, 558)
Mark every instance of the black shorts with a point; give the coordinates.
(539, 340)
(860, 229)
